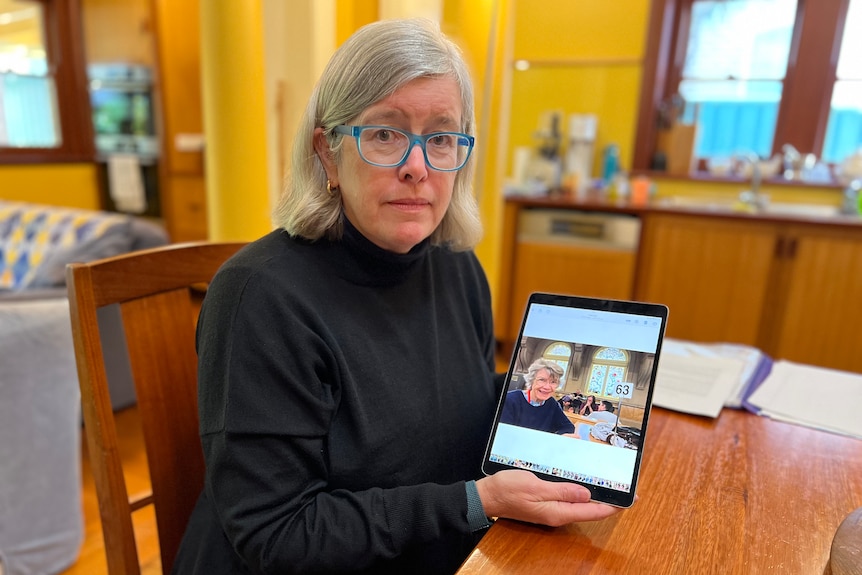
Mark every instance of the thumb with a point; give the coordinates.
(569, 492)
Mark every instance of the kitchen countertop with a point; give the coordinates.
(784, 213)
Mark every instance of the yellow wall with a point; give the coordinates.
(352, 15)
(585, 57)
(235, 120)
(72, 185)
(580, 29)
(480, 30)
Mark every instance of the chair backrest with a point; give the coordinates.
(158, 292)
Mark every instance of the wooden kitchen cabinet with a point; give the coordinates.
(791, 290)
(713, 274)
(185, 207)
(568, 269)
(819, 313)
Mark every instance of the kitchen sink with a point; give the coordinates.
(727, 204)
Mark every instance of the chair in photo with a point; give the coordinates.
(157, 294)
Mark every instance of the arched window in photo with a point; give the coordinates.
(608, 369)
(561, 354)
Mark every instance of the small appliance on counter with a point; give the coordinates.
(127, 145)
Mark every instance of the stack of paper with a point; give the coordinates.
(702, 378)
(813, 396)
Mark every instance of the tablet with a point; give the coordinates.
(578, 394)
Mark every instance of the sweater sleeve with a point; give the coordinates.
(266, 408)
(563, 423)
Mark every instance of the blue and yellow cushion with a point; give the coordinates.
(31, 233)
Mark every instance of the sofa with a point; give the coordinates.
(41, 522)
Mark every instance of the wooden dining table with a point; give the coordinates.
(740, 493)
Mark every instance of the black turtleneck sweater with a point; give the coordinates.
(346, 394)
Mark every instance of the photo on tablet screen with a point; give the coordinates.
(579, 393)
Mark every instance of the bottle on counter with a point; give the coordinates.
(641, 190)
(610, 163)
(620, 190)
(549, 152)
(852, 204)
(579, 154)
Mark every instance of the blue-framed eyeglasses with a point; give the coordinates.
(389, 147)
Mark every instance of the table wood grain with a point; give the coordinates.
(737, 494)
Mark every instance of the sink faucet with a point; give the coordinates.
(753, 197)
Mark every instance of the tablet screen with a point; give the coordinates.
(579, 392)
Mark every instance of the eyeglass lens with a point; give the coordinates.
(385, 146)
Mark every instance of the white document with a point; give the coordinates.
(816, 397)
(696, 384)
(750, 356)
(126, 184)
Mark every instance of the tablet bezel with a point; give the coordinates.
(599, 493)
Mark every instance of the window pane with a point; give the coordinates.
(597, 379)
(733, 117)
(615, 375)
(742, 39)
(844, 132)
(28, 110)
(735, 62)
(849, 62)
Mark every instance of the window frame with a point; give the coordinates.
(803, 113)
(64, 45)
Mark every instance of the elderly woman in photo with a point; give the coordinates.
(533, 406)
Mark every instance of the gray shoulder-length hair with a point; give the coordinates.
(372, 64)
(537, 366)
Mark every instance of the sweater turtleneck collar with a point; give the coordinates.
(370, 264)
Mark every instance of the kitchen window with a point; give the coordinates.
(844, 131)
(755, 76)
(44, 104)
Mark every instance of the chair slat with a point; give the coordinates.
(168, 406)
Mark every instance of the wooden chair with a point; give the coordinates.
(158, 292)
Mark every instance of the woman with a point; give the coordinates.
(532, 407)
(589, 406)
(346, 384)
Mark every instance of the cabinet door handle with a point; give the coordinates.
(785, 247)
(779, 247)
(791, 248)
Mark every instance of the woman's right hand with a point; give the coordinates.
(519, 494)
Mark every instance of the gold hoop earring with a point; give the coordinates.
(330, 189)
